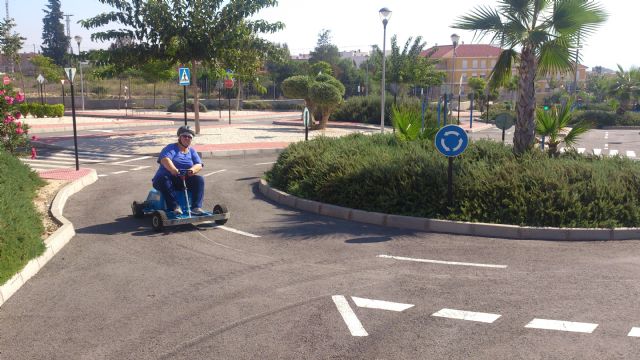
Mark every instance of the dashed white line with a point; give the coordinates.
(349, 317)
(581, 150)
(631, 153)
(562, 325)
(467, 315)
(635, 332)
(606, 135)
(597, 152)
(102, 175)
(140, 168)
(613, 152)
(266, 163)
(215, 172)
(238, 231)
(443, 262)
(380, 304)
(119, 172)
(135, 159)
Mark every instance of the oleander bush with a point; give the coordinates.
(20, 224)
(383, 174)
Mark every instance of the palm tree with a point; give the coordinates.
(546, 33)
(626, 87)
(551, 124)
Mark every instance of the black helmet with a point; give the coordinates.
(184, 130)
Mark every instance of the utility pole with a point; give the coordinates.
(6, 4)
(68, 21)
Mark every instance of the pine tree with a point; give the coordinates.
(54, 41)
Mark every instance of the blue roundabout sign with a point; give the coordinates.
(451, 140)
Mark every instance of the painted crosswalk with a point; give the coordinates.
(631, 154)
(64, 159)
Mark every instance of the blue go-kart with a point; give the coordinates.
(162, 217)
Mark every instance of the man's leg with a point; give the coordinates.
(195, 184)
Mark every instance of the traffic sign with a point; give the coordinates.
(184, 76)
(451, 140)
(228, 83)
(70, 72)
(40, 79)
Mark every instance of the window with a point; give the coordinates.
(483, 64)
(475, 64)
(464, 64)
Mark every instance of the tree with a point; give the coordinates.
(547, 34)
(54, 41)
(49, 70)
(551, 124)
(10, 45)
(325, 50)
(188, 32)
(155, 71)
(626, 87)
(477, 86)
(321, 93)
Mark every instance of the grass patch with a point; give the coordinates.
(380, 173)
(20, 224)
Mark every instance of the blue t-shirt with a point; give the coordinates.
(182, 161)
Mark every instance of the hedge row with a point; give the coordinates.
(379, 173)
(42, 110)
(20, 225)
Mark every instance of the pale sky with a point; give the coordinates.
(355, 24)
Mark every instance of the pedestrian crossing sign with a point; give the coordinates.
(184, 76)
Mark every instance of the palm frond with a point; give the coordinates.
(572, 136)
(577, 16)
(517, 10)
(554, 57)
(483, 20)
(501, 73)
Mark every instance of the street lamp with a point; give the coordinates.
(454, 41)
(385, 14)
(78, 40)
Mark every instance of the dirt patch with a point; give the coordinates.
(43, 201)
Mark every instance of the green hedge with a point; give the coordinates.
(42, 110)
(379, 173)
(20, 225)
(600, 119)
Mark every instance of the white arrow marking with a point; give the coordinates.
(467, 315)
(446, 148)
(460, 142)
(443, 262)
(349, 317)
(561, 325)
(635, 332)
(380, 304)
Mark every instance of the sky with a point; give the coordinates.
(356, 25)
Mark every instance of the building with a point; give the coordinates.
(478, 60)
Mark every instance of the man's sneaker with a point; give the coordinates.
(177, 211)
(197, 211)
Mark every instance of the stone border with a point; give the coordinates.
(53, 243)
(448, 226)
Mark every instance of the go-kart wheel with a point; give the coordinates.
(220, 209)
(137, 209)
(157, 220)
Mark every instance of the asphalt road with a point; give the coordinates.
(276, 283)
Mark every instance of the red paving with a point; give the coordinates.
(64, 174)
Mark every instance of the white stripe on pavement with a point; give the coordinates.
(94, 154)
(581, 150)
(48, 165)
(215, 172)
(613, 152)
(136, 159)
(635, 332)
(380, 304)
(266, 163)
(561, 325)
(140, 168)
(237, 231)
(443, 262)
(349, 317)
(467, 315)
(102, 175)
(631, 153)
(119, 172)
(597, 152)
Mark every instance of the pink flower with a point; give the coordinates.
(6, 80)
(1, 92)
(19, 131)
(18, 115)
(9, 119)
(9, 100)
(18, 124)
(20, 97)
(34, 138)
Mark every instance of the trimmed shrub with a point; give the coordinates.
(379, 173)
(42, 110)
(20, 225)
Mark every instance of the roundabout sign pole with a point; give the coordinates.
(451, 141)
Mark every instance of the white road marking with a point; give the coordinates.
(562, 325)
(606, 135)
(597, 152)
(105, 131)
(380, 304)
(93, 154)
(102, 175)
(613, 152)
(238, 231)
(136, 159)
(349, 317)
(581, 150)
(631, 153)
(140, 168)
(215, 172)
(119, 172)
(266, 163)
(467, 315)
(606, 146)
(443, 262)
(635, 332)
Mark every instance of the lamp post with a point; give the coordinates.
(62, 82)
(78, 40)
(454, 41)
(385, 14)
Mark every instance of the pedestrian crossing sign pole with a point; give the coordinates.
(71, 74)
(184, 78)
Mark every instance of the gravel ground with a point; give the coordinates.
(43, 201)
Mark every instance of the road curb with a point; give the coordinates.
(53, 243)
(503, 231)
